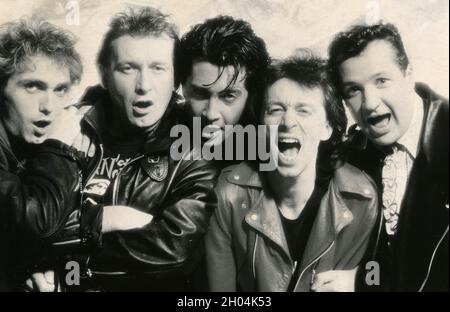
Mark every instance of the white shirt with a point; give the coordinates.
(400, 164)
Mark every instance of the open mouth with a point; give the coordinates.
(142, 104)
(379, 121)
(42, 123)
(289, 147)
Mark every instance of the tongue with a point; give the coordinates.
(290, 152)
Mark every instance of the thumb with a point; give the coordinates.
(322, 278)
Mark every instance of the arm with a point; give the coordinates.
(36, 202)
(172, 243)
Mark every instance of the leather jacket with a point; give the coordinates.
(246, 247)
(180, 196)
(418, 257)
(33, 207)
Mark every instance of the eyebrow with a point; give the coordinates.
(350, 83)
(39, 83)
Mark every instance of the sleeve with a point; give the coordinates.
(36, 202)
(221, 267)
(172, 243)
(353, 241)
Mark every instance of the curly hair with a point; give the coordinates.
(145, 21)
(23, 38)
(310, 71)
(225, 41)
(353, 41)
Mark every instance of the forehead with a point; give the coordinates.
(288, 92)
(143, 49)
(206, 75)
(378, 56)
(42, 68)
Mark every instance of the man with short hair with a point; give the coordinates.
(222, 64)
(305, 225)
(146, 211)
(38, 66)
(402, 143)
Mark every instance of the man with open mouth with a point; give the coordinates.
(38, 67)
(143, 229)
(402, 143)
(304, 226)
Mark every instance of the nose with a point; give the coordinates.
(143, 83)
(371, 100)
(288, 120)
(212, 110)
(46, 104)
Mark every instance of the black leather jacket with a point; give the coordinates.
(180, 196)
(418, 259)
(33, 207)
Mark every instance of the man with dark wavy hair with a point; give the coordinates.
(304, 226)
(402, 142)
(221, 65)
(38, 66)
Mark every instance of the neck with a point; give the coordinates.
(292, 193)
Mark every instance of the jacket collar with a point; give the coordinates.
(156, 141)
(333, 214)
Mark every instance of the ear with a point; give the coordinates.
(409, 76)
(326, 132)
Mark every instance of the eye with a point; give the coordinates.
(303, 110)
(229, 97)
(32, 87)
(351, 91)
(274, 110)
(381, 82)
(159, 68)
(61, 91)
(126, 69)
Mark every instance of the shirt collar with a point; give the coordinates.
(410, 140)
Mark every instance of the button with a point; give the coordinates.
(244, 205)
(254, 217)
(236, 177)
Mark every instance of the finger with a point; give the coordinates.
(29, 285)
(41, 284)
(328, 287)
(50, 276)
(322, 278)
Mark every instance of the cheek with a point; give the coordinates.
(197, 106)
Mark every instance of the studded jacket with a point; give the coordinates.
(178, 194)
(246, 247)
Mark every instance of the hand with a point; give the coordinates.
(66, 126)
(335, 281)
(83, 144)
(42, 282)
(122, 218)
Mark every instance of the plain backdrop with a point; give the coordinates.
(284, 24)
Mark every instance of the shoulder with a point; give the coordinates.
(357, 190)
(350, 179)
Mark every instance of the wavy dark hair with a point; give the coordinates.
(352, 42)
(310, 71)
(225, 41)
(141, 22)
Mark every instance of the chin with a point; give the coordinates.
(288, 172)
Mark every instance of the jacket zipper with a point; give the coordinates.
(117, 179)
(311, 263)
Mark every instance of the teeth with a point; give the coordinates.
(288, 140)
